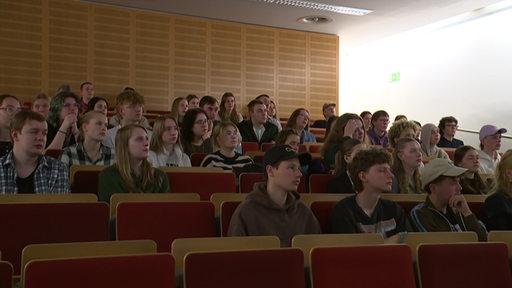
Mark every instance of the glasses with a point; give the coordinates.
(231, 133)
(201, 122)
(10, 109)
(452, 125)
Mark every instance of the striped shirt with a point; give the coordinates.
(226, 163)
(75, 155)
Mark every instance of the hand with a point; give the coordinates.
(459, 204)
(74, 130)
(350, 127)
(68, 122)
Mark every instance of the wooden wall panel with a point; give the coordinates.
(49, 43)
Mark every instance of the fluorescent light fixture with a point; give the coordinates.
(320, 6)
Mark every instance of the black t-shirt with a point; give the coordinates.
(5, 147)
(26, 185)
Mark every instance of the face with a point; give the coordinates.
(170, 132)
(211, 110)
(492, 142)
(379, 177)
(8, 109)
(182, 107)
(411, 155)
(272, 109)
(193, 103)
(367, 119)
(349, 156)
(381, 124)
(449, 129)
(329, 112)
(470, 161)
(259, 114)
(229, 139)
(32, 137)
(294, 141)
(101, 106)
(408, 133)
(138, 144)
(69, 106)
(96, 128)
(446, 189)
(266, 101)
(131, 113)
(87, 92)
(287, 174)
(229, 104)
(200, 125)
(302, 119)
(434, 136)
(41, 106)
(359, 131)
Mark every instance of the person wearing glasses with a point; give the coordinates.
(299, 121)
(9, 106)
(226, 138)
(448, 126)
(62, 120)
(194, 132)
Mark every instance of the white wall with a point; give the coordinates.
(461, 67)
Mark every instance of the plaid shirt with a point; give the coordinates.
(75, 155)
(51, 176)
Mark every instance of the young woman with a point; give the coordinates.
(179, 108)
(194, 132)
(340, 182)
(429, 138)
(498, 205)
(272, 110)
(193, 101)
(99, 104)
(165, 147)
(367, 119)
(132, 172)
(289, 136)
(41, 104)
(227, 110)
(471, 181)
(402, 129)
(89, 150)
(62, 120)
(226, 139)
(299, 121)
(406, 162)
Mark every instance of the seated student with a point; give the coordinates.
(99, 104)
(340, 182)
(366, 212)
(490, 143)
(444, 209)
(265, 99)
(402, 129)
(132, 172)
(225, 140)
(448, 126)
(194, 132)
(41, 104)
(210, 106)
(429, 139)
(498, 205)
(116, 119)
(367, 119)
(272, 111)
(9, 106)
(329, 110)
(299, 121)
(179, 108)
(227, 110)
(377, 134)
(406, 164)
(273, 208)
(165, 146)
(289, 136)
(256, 128)
(25, 169)
(89, 150)
(193, 101)
(63, 120)
(86, 94)
(471, 181)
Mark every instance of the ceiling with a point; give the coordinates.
(389, 17)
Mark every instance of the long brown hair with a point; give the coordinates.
(224, 115)
(399, 171)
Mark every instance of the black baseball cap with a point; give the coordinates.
(280, 153)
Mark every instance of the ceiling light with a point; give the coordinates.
(320, 6)
(314, 19)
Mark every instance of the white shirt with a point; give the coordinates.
(487, 163)
(176, 158)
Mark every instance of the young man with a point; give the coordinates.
(266, 100)
(273, 208)
(9, 106)
(25, 169)
(129, 106)
(329, 110)
(365, 212)
(447, 127)
(490, 143)
(256, 128)
(116, 118)
(210, 105)
(86, 94)
(445, 209)
(377, 134)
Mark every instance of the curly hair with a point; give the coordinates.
(363, 161)
(397, 128)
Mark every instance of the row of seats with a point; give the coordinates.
(438, 265)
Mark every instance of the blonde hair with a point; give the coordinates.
(157, 144)
(398, 168)
(123, 165)
(219, 129)
(397, 128)
(503, 183)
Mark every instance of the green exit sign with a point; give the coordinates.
(394, 77)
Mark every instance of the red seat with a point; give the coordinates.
(127, 271)
(364, 266)
(468, 265)
(318, 183)
(32, 223)
(6, 271)
(303, 148)
(85, 181)
(273, 268)
(266, 146)
(247, 180)
(322, 211)
(202, 183)
(315, 148)
(249, 146)
(163, 222)
(227, 208)
(197, 158)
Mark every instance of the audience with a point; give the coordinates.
(265, 99)
(194, 132)
(498, 205)
(490, 143)
(165, 145)
(9, 106)
(429, 139)
(448, 126)
(89, 150)
(272, 111)
(86, 94)
(115, 120)
(406, 163)
(132, 172)
(377, 134)
(41, 104)
(471, 182)
(299, 121)
(402, 129)
(210, 105)
(340, 182)
(289, 136)
(367, 119)
(273, 208)
(329, 110)
(227, 110)
(179, 108)
(445, 208)
(400, 117)
(98, 104)
(366, 212)
(256, 128)
(25, 169)
(63, 120)
(193, 101)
